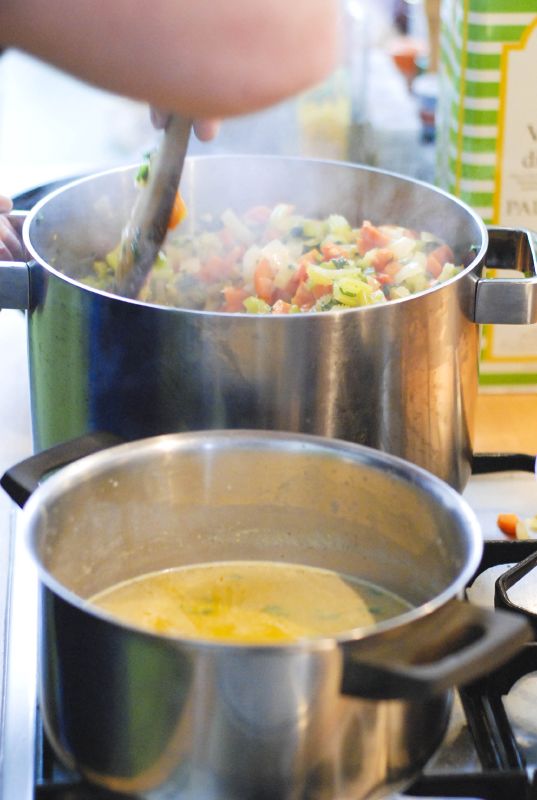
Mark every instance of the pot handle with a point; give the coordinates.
(511, 301)
(14, 275)
(450, 647)
(21, 480)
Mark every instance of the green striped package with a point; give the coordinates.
(487, 144)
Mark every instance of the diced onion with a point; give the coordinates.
(403, 247)
(409, 271)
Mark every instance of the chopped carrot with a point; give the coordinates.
(507, 523)
(179, 211)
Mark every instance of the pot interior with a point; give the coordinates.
(224, 496)
(84, 220)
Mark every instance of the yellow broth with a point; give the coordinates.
(256, 602)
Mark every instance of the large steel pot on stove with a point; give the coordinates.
(354, 716)
(400, 377)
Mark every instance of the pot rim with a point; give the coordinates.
(118, 455)
(478, 257)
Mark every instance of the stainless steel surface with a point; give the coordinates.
(509, 300)
(401, 377)
(221, 721)
(147, 226)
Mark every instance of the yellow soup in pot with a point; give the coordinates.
(254, 602)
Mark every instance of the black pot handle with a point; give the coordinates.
(21, 480)
(485, 463)
(450, 647)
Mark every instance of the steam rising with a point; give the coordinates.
(84, 220)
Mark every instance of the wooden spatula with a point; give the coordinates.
(146, 229)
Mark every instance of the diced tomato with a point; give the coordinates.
(382, 257)
(298, 277)
(289, 289)
(233, 297)
(331, 250)
(434, 267)
(392, 269)
(303, 297)
(370, 237)
(284, 294)
(302, 271)
(444, 254)
(264, 280)
(438, 257)
(319, 290)
(281, 307)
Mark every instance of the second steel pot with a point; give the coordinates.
(400, 377)
(351, 716)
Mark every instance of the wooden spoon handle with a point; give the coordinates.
(147, 227)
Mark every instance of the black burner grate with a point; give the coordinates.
(505, 774)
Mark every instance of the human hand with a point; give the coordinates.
(10, 244)
(205, 129)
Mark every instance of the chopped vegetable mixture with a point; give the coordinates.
(276, 261)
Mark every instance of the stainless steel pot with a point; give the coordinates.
(354, 716)
(400, 377)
